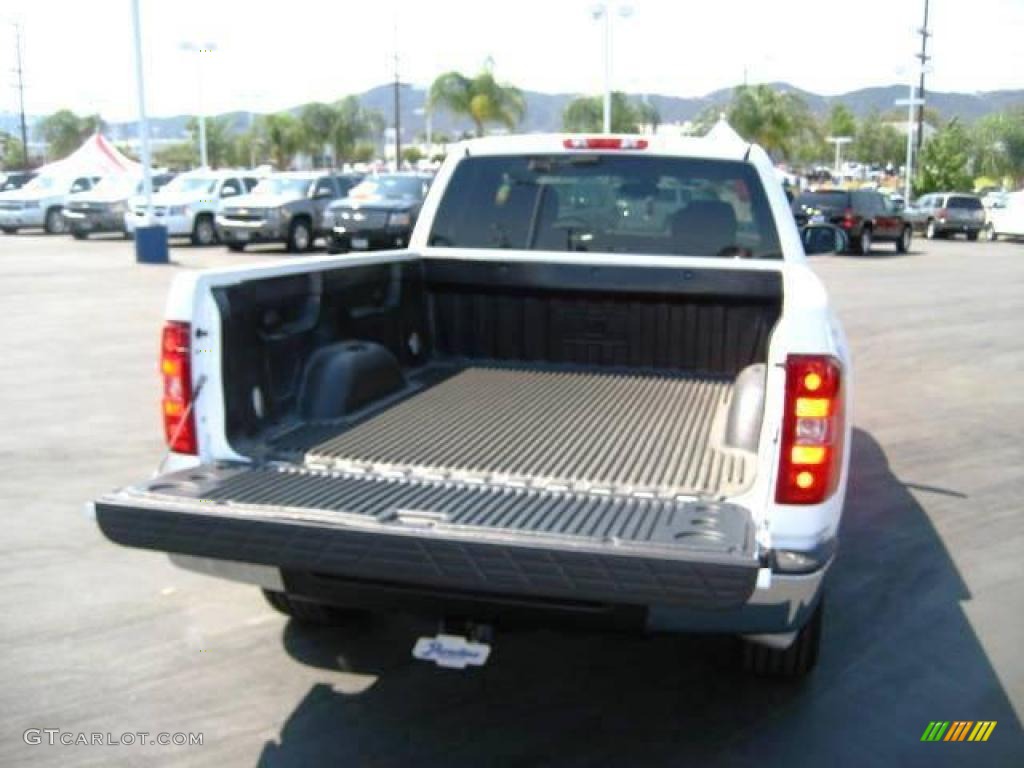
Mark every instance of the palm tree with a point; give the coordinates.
(585, 114)
(776, 120)
(353, 123)
(482, 99)
(281, 135)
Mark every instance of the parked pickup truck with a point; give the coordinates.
(105, 207)
(538, 411)
(187, 205)
(39, 204)
(285, 207)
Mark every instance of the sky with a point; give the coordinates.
(268, 56)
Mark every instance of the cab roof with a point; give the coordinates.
(555, 143)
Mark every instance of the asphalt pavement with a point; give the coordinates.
(924, 619)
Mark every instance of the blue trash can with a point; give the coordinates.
(151, 245)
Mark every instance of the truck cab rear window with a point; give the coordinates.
(607, 204)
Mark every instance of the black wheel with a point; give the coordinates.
(864, 242)
(79, 234)
(793, 662)
(55, 223)
(236, 247)
(972, 235)
(10, 230)
(307, 611)
(203, 231)
(300, 236)
(931, 231)
(903, 244)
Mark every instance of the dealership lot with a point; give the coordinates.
(924, 620)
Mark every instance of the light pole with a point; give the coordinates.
(839, 141)
(603, 11)
(150, 241)
(911, 102)
(199, 49)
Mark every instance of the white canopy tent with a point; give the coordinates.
(96, 157)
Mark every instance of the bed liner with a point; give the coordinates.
(619, 431)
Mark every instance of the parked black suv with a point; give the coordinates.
(867, 216)
(379, 212)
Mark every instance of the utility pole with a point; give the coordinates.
(924, 57)
(21, 96)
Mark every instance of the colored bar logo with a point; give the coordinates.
(958, 730)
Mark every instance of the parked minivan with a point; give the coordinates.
(947, 213)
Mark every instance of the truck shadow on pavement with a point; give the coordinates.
(898, 652)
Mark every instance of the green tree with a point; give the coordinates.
(318, 122)
(12, 153)
(482, 99)
(997, 145)
(221, 147)
(363, 153)
(64, 131)
(179, 157)
(841, 121)
(412, 155)
(279, 137)
(943, 163)
(777, 120)
(585, 114)
(353, 124)
(876, 141)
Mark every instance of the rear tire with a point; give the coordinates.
(931, 232)
(79, 234)
(791, 663)
(903, 244)
(300, 236)
(864, 243)
(54, 223)
(307, 611)
(10, 230)
(203, 231)
(236, 247)
(972, 235)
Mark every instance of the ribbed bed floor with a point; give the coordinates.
(621, 432)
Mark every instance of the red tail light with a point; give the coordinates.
(812, 430)
(848, 219)
(604, 142)
(176, 371)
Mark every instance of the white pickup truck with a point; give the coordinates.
(602, 385)
(40, 203)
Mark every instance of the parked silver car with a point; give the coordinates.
(947, 213)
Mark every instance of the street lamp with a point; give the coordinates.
(602, 11)
(839, 141)
(911, 101)
(200, 49)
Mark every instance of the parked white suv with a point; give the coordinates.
(39, 204)
(1005, 217)
(189, 204)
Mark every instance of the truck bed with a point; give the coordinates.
(623, 432)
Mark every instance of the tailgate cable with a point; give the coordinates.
(181, 424)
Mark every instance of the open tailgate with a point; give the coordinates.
(413, 530)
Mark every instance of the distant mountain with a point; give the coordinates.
(544, 110)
